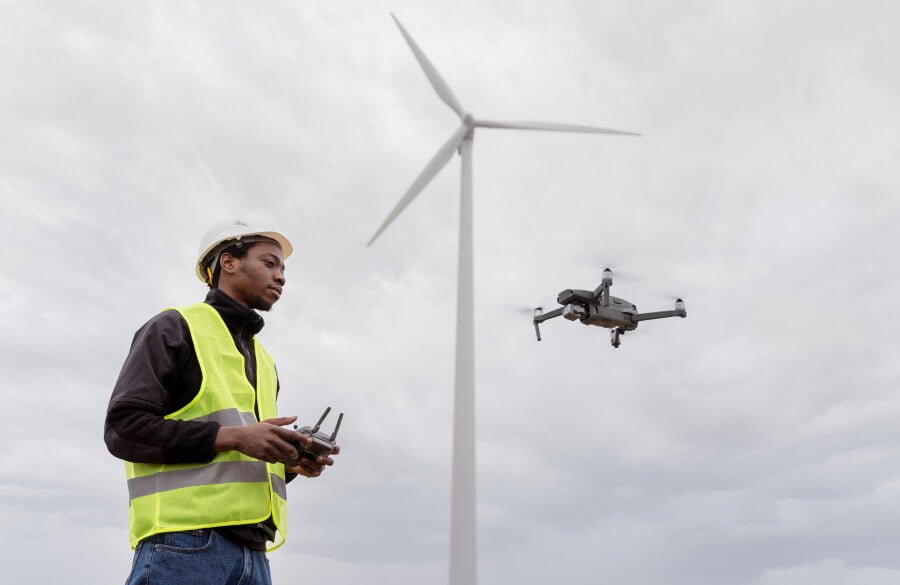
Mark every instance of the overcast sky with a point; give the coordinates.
(754, 443)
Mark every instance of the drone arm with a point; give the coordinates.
(540, 317)
(602, 293)
(550, 315)
(658, 315)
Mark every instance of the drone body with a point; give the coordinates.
(598, 307)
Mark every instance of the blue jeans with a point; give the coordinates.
(197, 557)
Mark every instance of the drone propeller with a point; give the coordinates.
(620, 275)
(667, 298)
(597, 270)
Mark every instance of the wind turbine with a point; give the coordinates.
(462, 499)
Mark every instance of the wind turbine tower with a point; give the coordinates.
(462, 500)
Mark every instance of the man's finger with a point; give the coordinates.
(293, 435)
(310, 463)
(280, 420)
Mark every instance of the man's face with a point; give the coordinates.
(258, 278)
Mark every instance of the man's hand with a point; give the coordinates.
(309, 467)
(263, 440)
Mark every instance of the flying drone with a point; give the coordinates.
(598, 307)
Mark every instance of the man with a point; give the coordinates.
(193, 415)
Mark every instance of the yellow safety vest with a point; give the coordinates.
(233, 488)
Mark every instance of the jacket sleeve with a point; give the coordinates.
(160, 375)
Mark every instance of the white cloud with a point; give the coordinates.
(751, 443)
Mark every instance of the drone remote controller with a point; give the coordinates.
(321, 444)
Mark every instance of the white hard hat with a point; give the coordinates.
(238, 230)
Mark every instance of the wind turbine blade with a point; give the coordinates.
(549, 126)
(437, 162)
(437, 82)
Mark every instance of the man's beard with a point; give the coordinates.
(260, 303)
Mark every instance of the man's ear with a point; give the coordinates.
(228, 263)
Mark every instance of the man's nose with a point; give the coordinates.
(279, 277)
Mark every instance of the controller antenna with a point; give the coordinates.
(315, 429)
(337, 427)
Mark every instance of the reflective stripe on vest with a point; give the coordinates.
(233, 488)
(221, 472)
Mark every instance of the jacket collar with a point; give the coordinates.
(239, 319)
